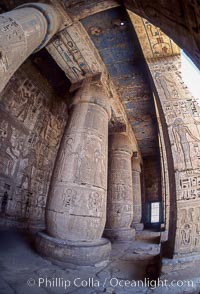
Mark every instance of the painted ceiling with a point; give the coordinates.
(115, 39)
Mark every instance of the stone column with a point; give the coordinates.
(120, 190)
(137, 197)
(23, 30)
(76, 206)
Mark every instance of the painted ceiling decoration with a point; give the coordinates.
(116, 41)
(100, 41)
(155, 44)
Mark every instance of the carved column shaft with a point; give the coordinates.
(76, 207)
(23, 30)
(120, 192)
(137, 197)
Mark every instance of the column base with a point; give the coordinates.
(75, 253)
(120, 234)
(138, 226)
(179, 263)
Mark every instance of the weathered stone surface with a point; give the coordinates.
(19, 263)
(179, 113)
(79, 181)
(76, 253)
(137, 197)
(179, 20)
(119, 50)
(182, 119)
(22, 31)
(76, 207)
(32, 121)
(120, 192)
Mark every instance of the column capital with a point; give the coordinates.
(117, 125)
(136, 166)
(120, 142)
(94, 94)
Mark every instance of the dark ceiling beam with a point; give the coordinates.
(81, 9)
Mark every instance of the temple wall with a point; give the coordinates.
(181, 111)
(32, 121)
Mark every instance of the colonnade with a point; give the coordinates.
(79, 210)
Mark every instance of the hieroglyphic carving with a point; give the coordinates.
(182, 108)
(73, 53)
(182, 136)
(30, 132)
(74, 199)
(22, 31)
(188, 185)
(15, 36)
(137, 197)
(14, 45)
(154, 42)
(25, 103)
(120, 193)
(182, 117)
(180, 112)
(188, 230)
(77, 198)
(11, 142)
(76, 66)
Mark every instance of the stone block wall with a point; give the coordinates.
(181, 115)
(32, 121)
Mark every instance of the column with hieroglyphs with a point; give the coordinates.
(179, 114)
(22, 31)
(120, 190)
(137, 197)
(76, 206)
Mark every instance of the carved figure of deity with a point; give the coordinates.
(180, 132)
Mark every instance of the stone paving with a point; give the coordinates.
(21, 268)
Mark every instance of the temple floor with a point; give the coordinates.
(22, 269)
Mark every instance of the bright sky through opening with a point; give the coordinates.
(191, 75)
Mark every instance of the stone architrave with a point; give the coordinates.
(120, 190)
(137, 197)
(76, 206)
(23, 30)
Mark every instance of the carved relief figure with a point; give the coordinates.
(197, 225)
(4, 202)
(28, 166)
(27, 94)
(98, 168)
(168, 86)
(51, 130)
(186, 235)
(69, 199)
(186, 227)
(180, 132)
(82, 161)
(14, 151)
(95, 201)
(66, 157)
(4, 129)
